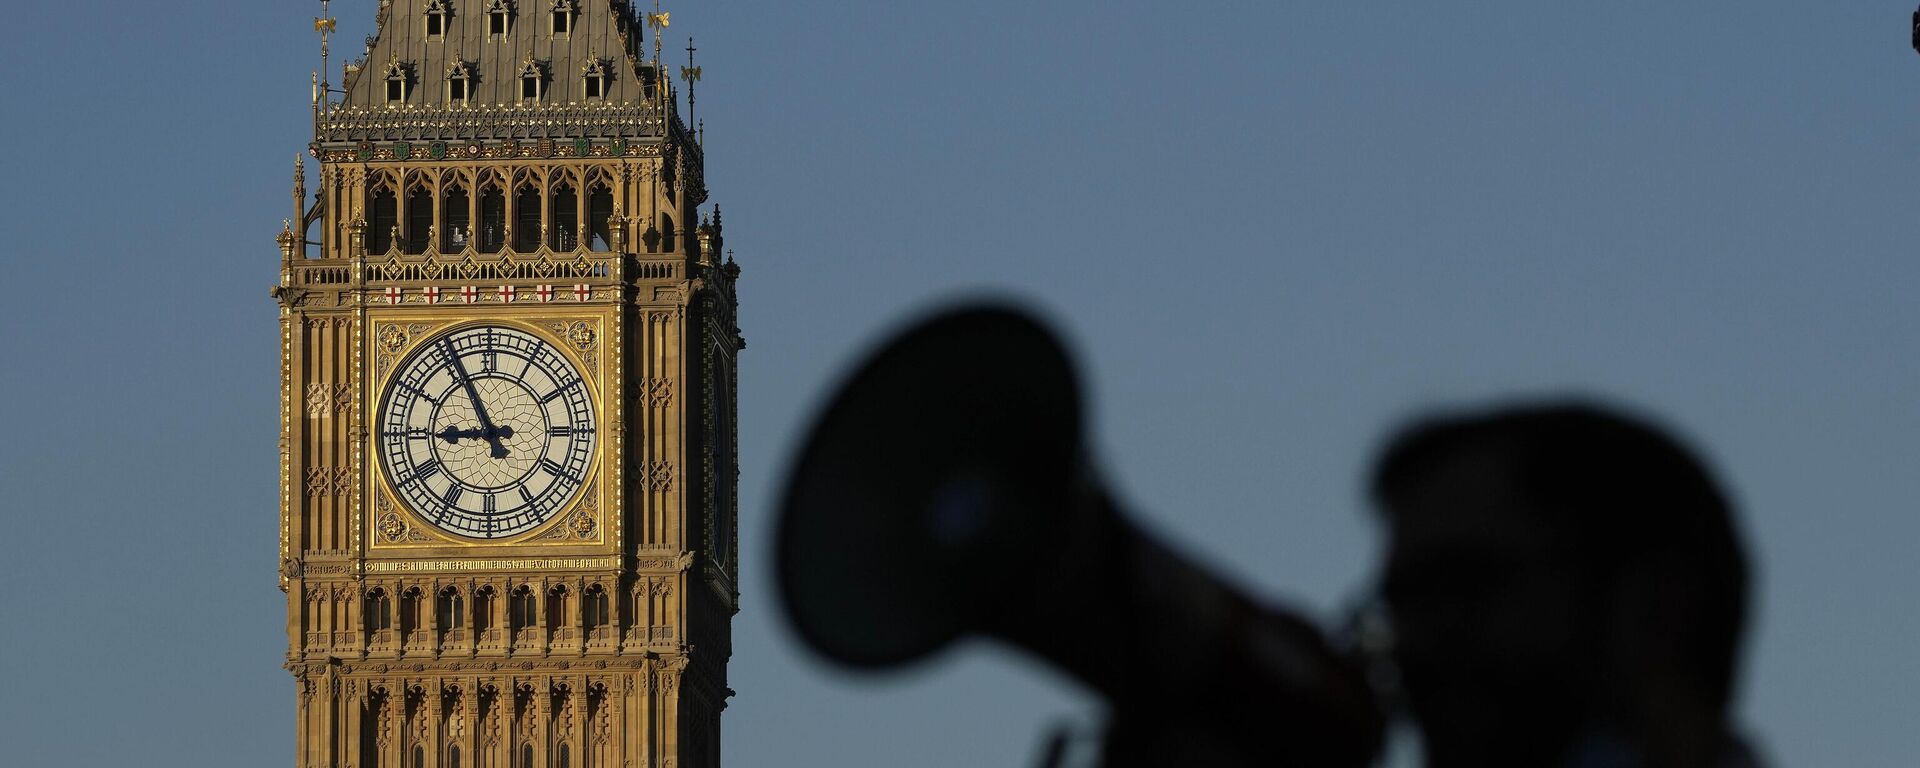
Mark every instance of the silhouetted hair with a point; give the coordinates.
(1621, 490)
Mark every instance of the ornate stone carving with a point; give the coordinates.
(328, 481)
(582, 336)
(392, 527)
(656, 392)
(657, 475)
(318, 397)
(392, 338)
(582, 525)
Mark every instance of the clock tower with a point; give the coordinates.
(507, 452)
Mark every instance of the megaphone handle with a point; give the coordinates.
(1150, 629)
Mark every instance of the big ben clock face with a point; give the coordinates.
(487, 432)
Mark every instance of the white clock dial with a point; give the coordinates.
(487, 432)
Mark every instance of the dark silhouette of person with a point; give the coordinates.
(1565, 587)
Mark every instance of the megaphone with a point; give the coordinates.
(946, 490)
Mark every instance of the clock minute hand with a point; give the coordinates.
(488, 431)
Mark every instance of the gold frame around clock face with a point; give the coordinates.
(501, 461)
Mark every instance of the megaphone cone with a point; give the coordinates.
(945, 490)
(911, 511)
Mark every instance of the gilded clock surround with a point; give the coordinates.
(600, 637)
(581, 525)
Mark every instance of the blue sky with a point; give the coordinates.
(1272, 230)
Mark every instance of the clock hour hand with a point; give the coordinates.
(488, 432)
(452, 435)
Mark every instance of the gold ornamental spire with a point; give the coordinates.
(322, 89)
(691, 74)
(658, 20)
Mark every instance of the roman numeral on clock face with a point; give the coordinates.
(553, 468)
(419, 393)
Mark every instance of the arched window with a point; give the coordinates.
(599, 216)
(453, 757)
(419, 757)
(564, 234)
(419, 219)
(454, 219)
(667, 240)
(723, 514)
(373, 713)
(526, 756)
(595, 606)
(526, 219)
(410, 601)
(562, 762)
(382, 217)
(493, 219)
(452, 615)
(379, 610)
(522, 609)
(557, 608)
(483, 608)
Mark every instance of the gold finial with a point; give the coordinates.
(691, 74)
(658, 20)
(325, 25)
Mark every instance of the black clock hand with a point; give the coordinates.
(488, 432)
(452, 435)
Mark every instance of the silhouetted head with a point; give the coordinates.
(1562, 580)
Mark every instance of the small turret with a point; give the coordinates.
(709, 243)
(288, 242)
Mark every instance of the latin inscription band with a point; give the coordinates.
(565, 563)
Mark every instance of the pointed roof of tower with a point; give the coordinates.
(473, 69)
